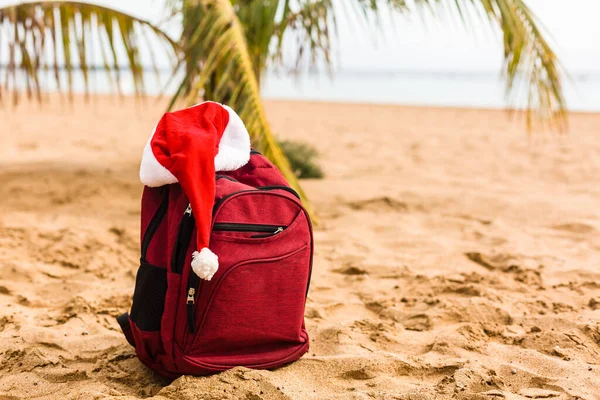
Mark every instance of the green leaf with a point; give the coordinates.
(65, 28)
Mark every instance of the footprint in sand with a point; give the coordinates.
(473, 379)
(359, 374)
(313, 313)
(349, 265)
(510, 264)
(530, 385)
(574, 227)
(350, 270)
(377, 332)
(532, 393)
(419, 323)
(379, 204)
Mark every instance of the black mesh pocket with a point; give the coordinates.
(149, 297)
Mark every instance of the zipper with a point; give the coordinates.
(278, 187)
(191, 301)
(226, 177)
(153, 225)
(193, 283)
(186, 227)
(278, 230)
(234, 227)
(183, 241)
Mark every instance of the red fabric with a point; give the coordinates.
(252, 312)
(186, 142)
(259, 172)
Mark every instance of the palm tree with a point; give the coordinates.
(226, 45)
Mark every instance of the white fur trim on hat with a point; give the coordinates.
(234, 147)
(152, 173)
(205, 263)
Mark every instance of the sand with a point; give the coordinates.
(457, 257)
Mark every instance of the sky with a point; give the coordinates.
(427, 46)
(442, 45)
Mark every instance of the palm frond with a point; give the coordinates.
(219, 67)
(313, 24)
(533, 73)
(258, 17)
(529, 58)
(65, 29)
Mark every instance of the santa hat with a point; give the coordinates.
(189, 146)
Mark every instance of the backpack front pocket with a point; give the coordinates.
(256, 304)
(232, 250)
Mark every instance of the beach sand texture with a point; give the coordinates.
(457, 257)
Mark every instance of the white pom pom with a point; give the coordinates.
(205, 263)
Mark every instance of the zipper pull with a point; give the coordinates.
(190, 308)
(190, 296)
(188, 210)
(279, 230)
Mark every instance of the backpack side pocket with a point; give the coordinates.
(149, 297)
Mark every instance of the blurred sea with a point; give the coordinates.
(483, 89)
(478, 89)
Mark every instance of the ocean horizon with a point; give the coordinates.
(443, 88)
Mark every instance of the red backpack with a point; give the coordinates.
(252, 311)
